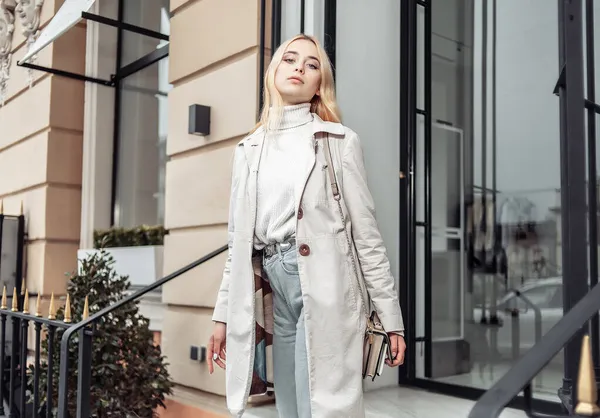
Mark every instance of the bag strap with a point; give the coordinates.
(337, 197)
(330, 168)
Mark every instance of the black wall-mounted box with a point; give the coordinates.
(199, 120)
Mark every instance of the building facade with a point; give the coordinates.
(455, 101)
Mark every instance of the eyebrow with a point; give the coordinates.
(295, 53)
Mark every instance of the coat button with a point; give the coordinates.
(304, 250)
(300, 213)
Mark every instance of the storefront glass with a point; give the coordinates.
(142, 121)
(488, 183)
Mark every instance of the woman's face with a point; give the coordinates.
(298, 75)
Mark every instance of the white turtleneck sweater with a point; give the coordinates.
(285, 150)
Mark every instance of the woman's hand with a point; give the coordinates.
(216, 347)
(398, 349)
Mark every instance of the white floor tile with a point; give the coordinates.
(404, 402)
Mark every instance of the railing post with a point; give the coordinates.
(587, 392)
(23, 363)
(84, 373)
(3, 319)
(36, 370)
(516, 334)
(14, 349)
(50, 377)
(63, 377)
(2, 356)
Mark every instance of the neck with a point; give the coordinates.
(295, 115)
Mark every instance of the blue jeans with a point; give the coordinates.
(290, 366)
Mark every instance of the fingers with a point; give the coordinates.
(399, 359)
(220, 362)
(394, 342)
(398, 349)
(209, 355)
(215, 353)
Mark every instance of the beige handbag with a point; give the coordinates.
(376, 341)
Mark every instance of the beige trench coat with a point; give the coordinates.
(334, 317)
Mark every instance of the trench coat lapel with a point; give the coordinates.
(253, 148)
(308, 164)
(320, 128)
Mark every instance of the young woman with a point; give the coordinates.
(299, 261)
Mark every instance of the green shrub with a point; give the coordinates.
(129, 237)
(129, 374)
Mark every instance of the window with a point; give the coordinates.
(140, 155)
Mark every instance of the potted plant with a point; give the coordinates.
(137, 252)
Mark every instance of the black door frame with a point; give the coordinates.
(573, 165)
(578, 195)
(592, 112)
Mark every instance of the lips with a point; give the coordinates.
(296, 79)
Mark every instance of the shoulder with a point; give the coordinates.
(251, 136)
(335, 130)
(348, 141)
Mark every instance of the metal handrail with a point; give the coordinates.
(64, 343)
(537, 312)
(493, 401)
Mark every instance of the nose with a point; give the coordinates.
(299, 69)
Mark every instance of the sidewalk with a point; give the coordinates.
(402, 402)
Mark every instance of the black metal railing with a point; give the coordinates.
(22, 378)
(520, 376)
(20, 382)
(84, 366)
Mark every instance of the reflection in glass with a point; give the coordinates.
(148, 14)
(142, 147)
(496, 284)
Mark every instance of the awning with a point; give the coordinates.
(69, 14)
(72, 12)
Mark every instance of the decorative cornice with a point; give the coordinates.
(7, 29)
(29, 13)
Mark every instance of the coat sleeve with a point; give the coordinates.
(220, 311)
(369, 244)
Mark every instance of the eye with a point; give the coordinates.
(313, 66)
(288, 60)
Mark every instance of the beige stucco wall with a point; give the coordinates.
(40, 154)
(214, 62)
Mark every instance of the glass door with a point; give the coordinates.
(440, 254)
(443, 65)
(446, 288)
(483, 214)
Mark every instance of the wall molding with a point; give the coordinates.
(7, 29)
(29, 13)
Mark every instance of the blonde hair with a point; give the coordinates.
(324, 104)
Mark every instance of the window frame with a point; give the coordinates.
(123, 72)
